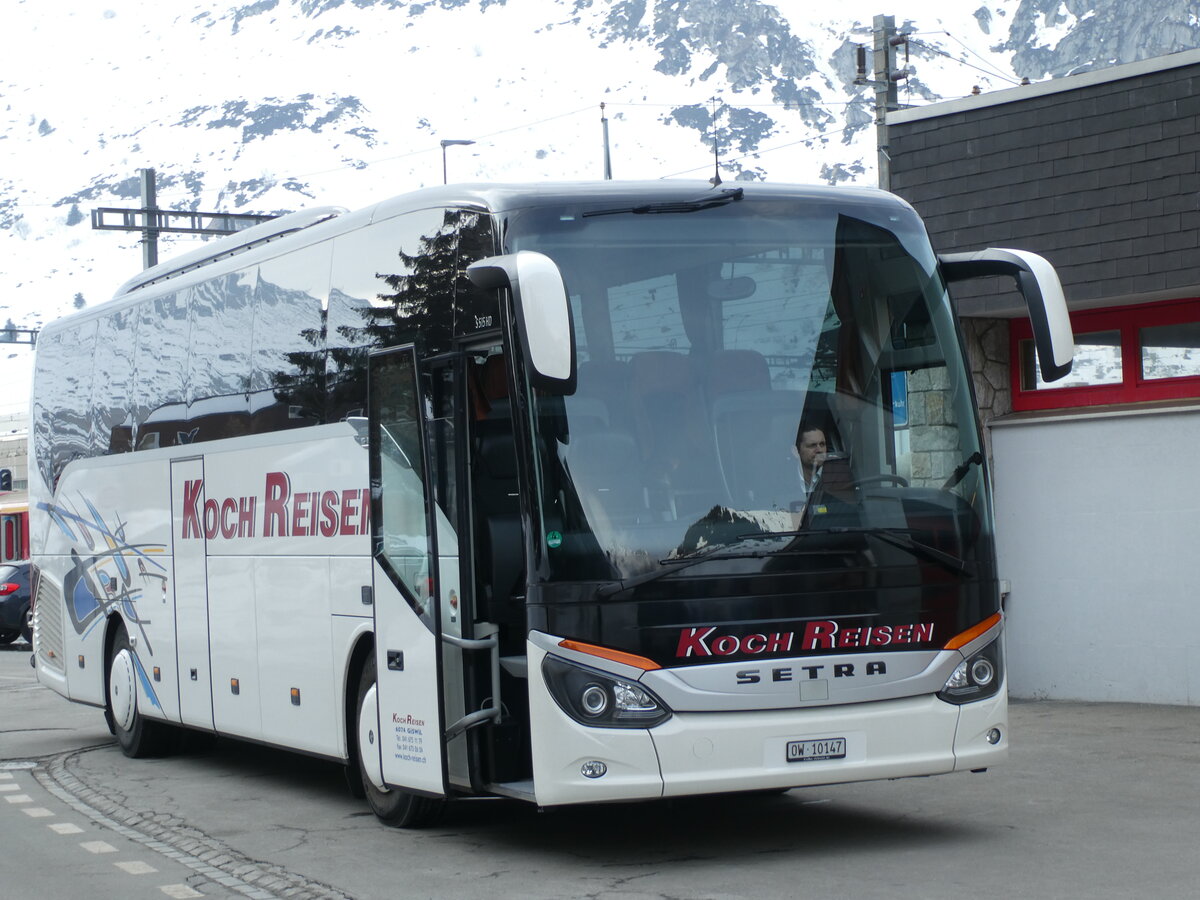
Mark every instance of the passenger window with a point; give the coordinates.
(221, 317)
(112, 421)
(160, 413)
(288, 379)
(384, 291)
(62, 434)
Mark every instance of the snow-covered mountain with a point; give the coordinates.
(273, 105)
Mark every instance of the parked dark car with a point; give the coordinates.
(16, 619)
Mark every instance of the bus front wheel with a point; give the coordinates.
(397, 808)
(138, 736)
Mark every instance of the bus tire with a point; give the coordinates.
(396, 808)
(138, 736)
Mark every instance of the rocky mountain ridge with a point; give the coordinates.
(275, 105)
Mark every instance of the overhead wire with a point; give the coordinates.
(995, 73)
(972, 51)
(756, 153)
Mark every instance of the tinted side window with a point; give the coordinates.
(288, 378)
(475, 309)
(112, 420)
(221, 319)
(392, 282)
(62, 409)
(161, 373)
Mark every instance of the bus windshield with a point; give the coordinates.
(757, 378)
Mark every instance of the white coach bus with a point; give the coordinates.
(495, 491)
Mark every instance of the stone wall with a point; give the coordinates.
(987, 357)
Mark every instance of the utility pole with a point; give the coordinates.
(152, 221)
(149, 233)
(886, 94)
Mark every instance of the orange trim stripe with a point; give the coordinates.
(628, 659)
(971, 633)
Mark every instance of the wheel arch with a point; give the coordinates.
(113, 624)
(361, 650)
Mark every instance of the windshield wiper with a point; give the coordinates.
(897, 537)
(728, 195)
(679, 563)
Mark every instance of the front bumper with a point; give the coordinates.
(721, 752)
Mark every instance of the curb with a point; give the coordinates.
(178, 841)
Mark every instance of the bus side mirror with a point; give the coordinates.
(542, 311)
(1039, 284)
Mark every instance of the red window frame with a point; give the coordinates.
(1128, 320)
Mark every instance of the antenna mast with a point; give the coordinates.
(607, 157)
(715, 181)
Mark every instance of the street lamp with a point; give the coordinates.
(446, 144)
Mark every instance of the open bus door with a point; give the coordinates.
(402, 747)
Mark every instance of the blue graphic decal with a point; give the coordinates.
(101, 577)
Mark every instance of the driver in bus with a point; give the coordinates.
(810, 451)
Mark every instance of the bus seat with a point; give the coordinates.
(501, 559)
(607, 381)
(664, 402)
(737, 371)
(489, 387)
(604, 469)
(672, 425)
(755, 433)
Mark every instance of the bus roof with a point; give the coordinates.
(322, 223)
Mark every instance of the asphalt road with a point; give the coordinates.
(1097, 801)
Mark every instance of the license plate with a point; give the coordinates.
(811, 751)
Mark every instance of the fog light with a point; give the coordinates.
(593, 768)
(993, 736)
(594, 701)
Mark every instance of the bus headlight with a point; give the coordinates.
(976, 677)
(592, 697)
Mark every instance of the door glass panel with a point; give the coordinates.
(398, 481)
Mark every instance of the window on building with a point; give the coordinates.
(1124, 355)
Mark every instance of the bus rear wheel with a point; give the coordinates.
(396, 808)
(138, 736)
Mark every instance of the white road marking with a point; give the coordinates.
(37, 812)
(19, 798)
(98, 847)
(9, 787)
(179, 891)
(64, 828)
(135, 867)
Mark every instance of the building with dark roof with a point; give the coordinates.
(1097, 500)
